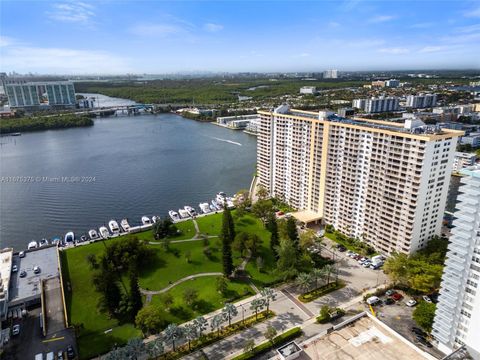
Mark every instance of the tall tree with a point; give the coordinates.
(240, 242)
(268, 295)
(135, 294)
(292, 231)
(190, 332)
(155, 348)
(229, 312)
(287, 258)
(253, 244)
(150, 319)
(424, 314)
(201, 324)
(263, 209)
(173, 333)
(262, 192)
(304, 282)
(256, 305)
(227, 235)
(272, 227)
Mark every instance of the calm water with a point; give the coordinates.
(120, 167)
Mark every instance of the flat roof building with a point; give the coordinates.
(382, 182)
(6, 257)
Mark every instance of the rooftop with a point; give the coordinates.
(363, 339)
(471, 171)
(29, 288)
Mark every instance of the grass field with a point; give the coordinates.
(169, 266)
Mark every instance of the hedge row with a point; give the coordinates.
(267, 345)
(323, 290)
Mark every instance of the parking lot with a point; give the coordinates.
(30, 341)
(398, 316)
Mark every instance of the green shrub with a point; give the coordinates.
(323, 290)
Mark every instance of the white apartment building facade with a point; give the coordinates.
(463, 160)
(330, 74)
(422, 101)
(457, 318)
(372, 180)
(377, 104)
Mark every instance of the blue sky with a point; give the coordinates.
(162, 37)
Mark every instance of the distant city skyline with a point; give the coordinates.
(113, 37)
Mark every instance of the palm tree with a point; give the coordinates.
(201, 324)
(217, 322)
(317, 274)
(304, 282)
(190, 332)
(328, 269)
(229, 311)
(155, 348)
(135, 347)
(268, 295)
(173, 333)
(257, 304)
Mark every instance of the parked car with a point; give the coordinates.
(367, 264)
(389, 301)
(426, 298)
(397, 296)
(375, 266)
(417, 330)
(23, 273)
(411, 303)
(16, 330)
(21, 254)
(362, 260)
(390, 292)
(60, 355)
(14, 268)
(70, 352)
(425, 342)
(36, 269)
(350, 253)
(373, 300)
(357, 257)
(341, 248)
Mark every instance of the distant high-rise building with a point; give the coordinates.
(392, 83)
(457, 317)
(421, 101)
(376, 105)
(381, 182)
(31, 94)
(330, 74)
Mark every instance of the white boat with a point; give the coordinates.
(69, 237)
(216, 205)
(230, 203)
(146, 220)
(93, 234)
(155, 219)
(113, 225)
(213, 208)
(183, 213)
(125, 225)
(43, 242)
(221, 198)
(204, 207)
(190, 210)
(173, 215)
(32, 245)
(104, 232)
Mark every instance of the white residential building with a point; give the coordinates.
(330, 74)
(421, 101)
(392, 83)
(382, 182)
(311, 90)
(463, 160)
(457, 318)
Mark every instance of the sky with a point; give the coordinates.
(156, 37)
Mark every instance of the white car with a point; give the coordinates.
(372, 300)
(411, 303)
(426, 298)
(36, 269)
(21, 254)
(16, 330)
(14, 268)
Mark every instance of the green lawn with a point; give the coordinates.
(172, 265)
(208, 298)
(211, 224)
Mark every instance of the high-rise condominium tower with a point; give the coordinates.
(381, 182)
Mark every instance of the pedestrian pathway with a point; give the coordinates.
(298, 303)
(149, 293)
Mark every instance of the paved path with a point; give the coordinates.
(195, 237)
(186, 278)
(298, 303)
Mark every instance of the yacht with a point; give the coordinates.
(220, 198)
(155, 219)
(146, 220)
(230, 203)
(69, 237)
(174, 215)
(43, 242)
(190, 210)
(93, 234)
(204, 207)
(32, 245)
(216, 205)
(104, 232)
(213, 208)
(125, 225)
(83, 238)
(183, 213)
(113, 225)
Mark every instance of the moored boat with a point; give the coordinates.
(155, 218)
(32, 245)
(93, 234)
(146, 220)
(183, 213)
(104, 232)
(43, 242)
(190, 210)
(204, 207)
(173, 215)
(113, 225)
(125, 225)
(69, 238)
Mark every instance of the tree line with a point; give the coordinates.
(38, 123)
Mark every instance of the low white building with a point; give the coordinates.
(237, 122)
(6, 256)
(308, 90)
(462, 160)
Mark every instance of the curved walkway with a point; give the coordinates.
(195, 237)
(149, 293)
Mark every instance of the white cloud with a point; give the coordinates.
(5, 41)
(394, 51)
(475, 13)
(211, 27)
(157, 30)
(425, 25)
(72, 12)
(61, 60)
(380, 19)
(431, 49)
(468, 29)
